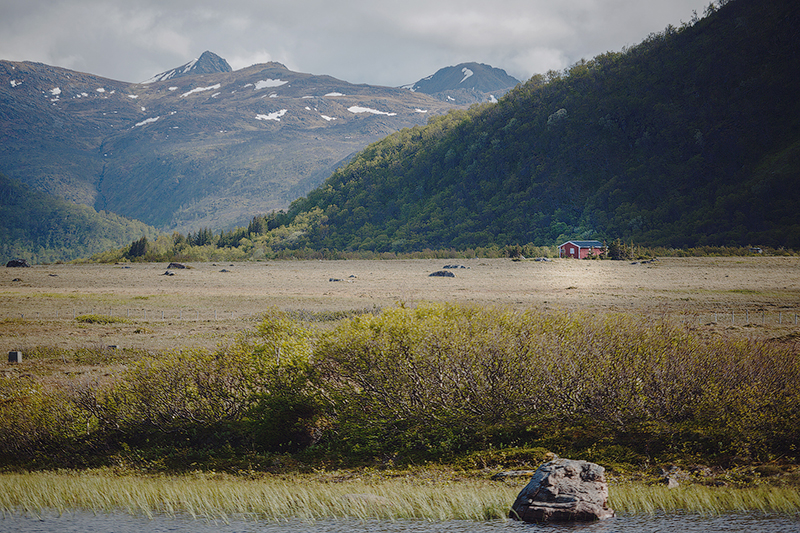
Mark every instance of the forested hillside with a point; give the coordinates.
(689, 138)
(42, 228)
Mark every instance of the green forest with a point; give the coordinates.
(41, 228)
(690, 138)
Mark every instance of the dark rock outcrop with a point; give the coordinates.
(17, 263)
(442, 274)
(564, 490)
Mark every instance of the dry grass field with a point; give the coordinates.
(207, 304)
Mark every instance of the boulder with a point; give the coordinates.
(442, 274)
(564, 490)
(176, 265)
(18, 263)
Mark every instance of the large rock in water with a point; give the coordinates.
(564, 490)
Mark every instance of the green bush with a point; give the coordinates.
(425, 383)
(100, 319)
(444, 379)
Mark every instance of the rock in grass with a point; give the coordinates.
(442, 273)
(564, 490)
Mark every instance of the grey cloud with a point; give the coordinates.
(388, 42)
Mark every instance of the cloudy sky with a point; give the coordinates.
(380, 42)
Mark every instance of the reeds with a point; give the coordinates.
(637, 498)
(269, 498)
(309, 498)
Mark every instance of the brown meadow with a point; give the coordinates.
(207, 303)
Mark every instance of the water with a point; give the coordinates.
(87, 522)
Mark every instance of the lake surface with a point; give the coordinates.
(87, 522)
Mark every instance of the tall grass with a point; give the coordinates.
(635, 498)
(308, 498)
(270, 498)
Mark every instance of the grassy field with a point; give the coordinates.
(206, 304)
(85, 325)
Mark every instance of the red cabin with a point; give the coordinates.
(581, 249)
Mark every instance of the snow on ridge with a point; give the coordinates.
(334, 94)
(269, 82)
(161, 77)
(276, 115)
(55, 91)
(467, 73)
(100, 90)
(326, 117)
(201, 89)
(190, 65)
(15, 83)
(418, 110)
(359, 109)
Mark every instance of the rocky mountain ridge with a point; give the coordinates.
(466, 83)
(199, 149)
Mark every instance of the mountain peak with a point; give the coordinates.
(466, 83)
(207, 63)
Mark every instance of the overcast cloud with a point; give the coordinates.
(380, 42)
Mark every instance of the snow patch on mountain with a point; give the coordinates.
(201, 89)
(264, 84)
(146, 121)
(276, 116)
(467, 73)
(358, 109)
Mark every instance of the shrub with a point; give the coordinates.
(441, 379)
(100, 319)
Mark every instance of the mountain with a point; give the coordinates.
(208, 63)
(199, 149)
(689, 138)
(466, 84)
(42, 228)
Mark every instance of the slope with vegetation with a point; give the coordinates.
(690, 138)
(42, 228)
(208, 148)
